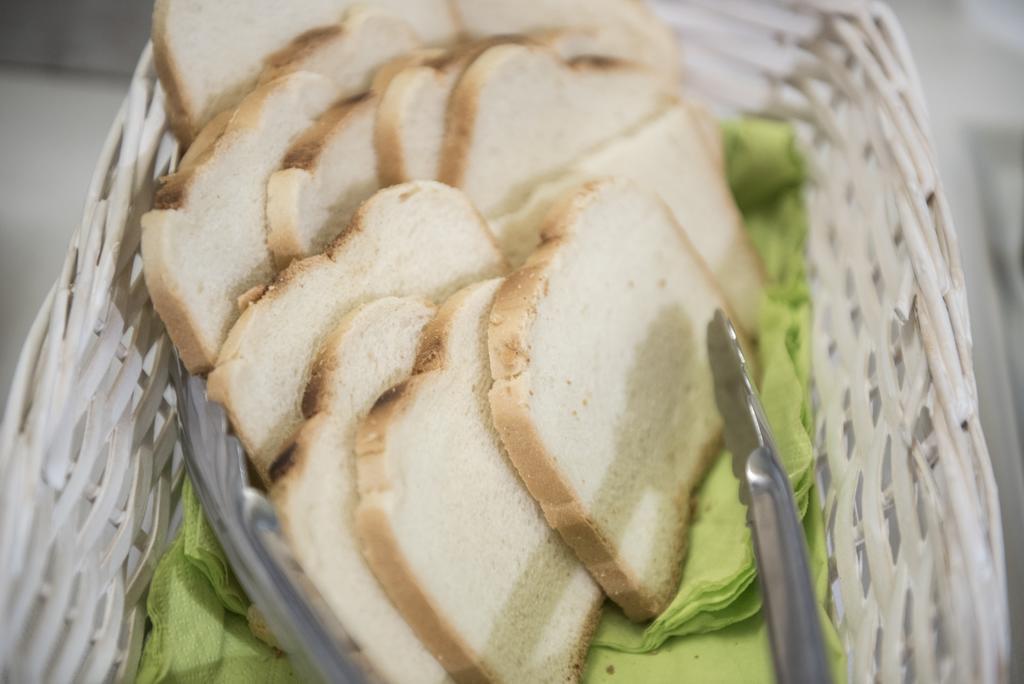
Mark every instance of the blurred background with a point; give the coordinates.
(64, 69)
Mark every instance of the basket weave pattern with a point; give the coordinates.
(90, 465)
(914, 535)
(90, 472)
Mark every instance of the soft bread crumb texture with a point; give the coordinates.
(635, 30)
(348, 52)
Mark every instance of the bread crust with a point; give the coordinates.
(171, 200)
(381, 548)
(512, 317)
(386, 131)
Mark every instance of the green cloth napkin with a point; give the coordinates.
(736, 653)
(198, 613)
(713, 631)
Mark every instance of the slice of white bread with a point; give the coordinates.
(413, 108)
(326, 174)
(602, 388)
(314, 483)
(209, 53)
(671, 157)
(521, 114)
(637, 32)
(205, 243)
(421, 238)
(450, 531)
(350, 52)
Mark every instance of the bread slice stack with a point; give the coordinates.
(674, 156)
(314, 483)
(209, 53)
(413, 111)
(448, 528)
(448, 267)
(204, 246)
(419, 238)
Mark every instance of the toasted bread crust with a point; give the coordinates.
(173, 190)
(305, 152)
(222, 385)
(512, 317)
(315, 399)
(221, 381)
(389, 565)
(283, 465)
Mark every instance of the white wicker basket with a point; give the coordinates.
(90, 464)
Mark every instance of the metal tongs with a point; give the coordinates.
(790, 607)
